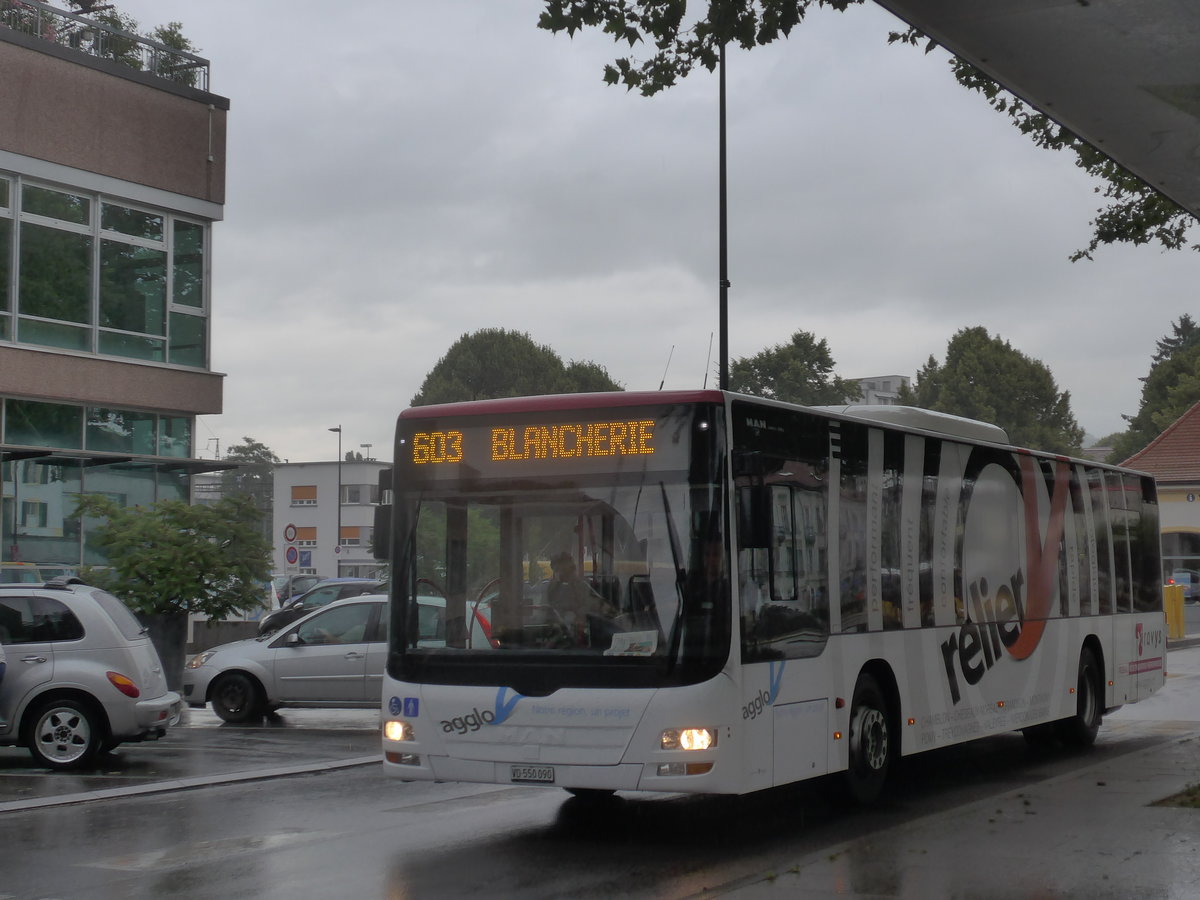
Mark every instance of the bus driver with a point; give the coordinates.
(573, 599)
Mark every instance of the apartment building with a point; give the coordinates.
(324, 516)
(112, 174)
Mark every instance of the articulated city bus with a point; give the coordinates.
(697, 591)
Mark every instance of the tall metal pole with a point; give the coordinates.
(337, 542)
(723, 318)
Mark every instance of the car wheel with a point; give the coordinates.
(236, 698)
(66, 734)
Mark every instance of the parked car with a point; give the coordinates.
(324, 593)
(46, 571)
(332, 658)
(19, 573)
(82, 675)
(288, 587)
(1190, 579)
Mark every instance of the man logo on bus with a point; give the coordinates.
(1006, 614)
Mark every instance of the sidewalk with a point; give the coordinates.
(1095, 832)
(198, 752)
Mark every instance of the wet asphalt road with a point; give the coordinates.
(296, 828)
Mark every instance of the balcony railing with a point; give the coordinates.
(94, 38)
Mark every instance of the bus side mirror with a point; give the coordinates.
(754, 516)
(383, 517)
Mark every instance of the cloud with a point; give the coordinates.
(402, 174)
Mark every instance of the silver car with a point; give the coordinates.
(82, 675)
(333, 657)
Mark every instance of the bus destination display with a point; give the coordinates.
(534, 442)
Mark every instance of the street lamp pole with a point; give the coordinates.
(337, 542)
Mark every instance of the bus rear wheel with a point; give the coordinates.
(1079, 730)
(870, 745)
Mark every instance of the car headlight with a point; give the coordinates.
(200, 659)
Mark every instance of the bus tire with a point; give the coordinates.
(1079, 731)
(871, 745)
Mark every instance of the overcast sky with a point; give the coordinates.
(403, 173)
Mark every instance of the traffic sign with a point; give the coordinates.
(291, 555)
(289, 533)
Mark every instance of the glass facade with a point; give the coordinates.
(81, 271)
(87, 449)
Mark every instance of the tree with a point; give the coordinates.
(494, 362)
(1137, 214)
(800, 371)
(254, 478)
(985, 378)
(171, 559)
(1185, 334)
(1168, 391)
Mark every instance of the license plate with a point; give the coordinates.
(533, 774)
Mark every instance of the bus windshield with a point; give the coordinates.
(555, 572)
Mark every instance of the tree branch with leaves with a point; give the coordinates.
(174, 557)
(676, 44)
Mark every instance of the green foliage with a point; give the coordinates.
(1137, 214)
(800, 371)
(985, 378)
(256, 467)
(679, 44)
(253, 478)
(1184, 334)
(494, 362)
(175, 557)
(1168, 391)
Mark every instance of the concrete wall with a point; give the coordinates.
(70, 109)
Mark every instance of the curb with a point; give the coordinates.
(183, 784)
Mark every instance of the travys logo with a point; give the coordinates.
(1010, 583)
(506, 701)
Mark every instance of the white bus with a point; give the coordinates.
(699, 591)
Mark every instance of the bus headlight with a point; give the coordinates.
(398, 730)
(688, 738)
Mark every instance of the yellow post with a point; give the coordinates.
(1173, 604)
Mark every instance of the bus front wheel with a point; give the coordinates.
(870, 741)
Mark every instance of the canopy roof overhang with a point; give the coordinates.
(1124, 75)
(86, 460)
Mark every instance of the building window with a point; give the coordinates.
(304, 495)
(34, 514)
(64, 427)
(120, 431)
(175, 436)
(99, 276)
(5, 252)
(353, 494)
(306, 536)
(36, 424)
(350, 536)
